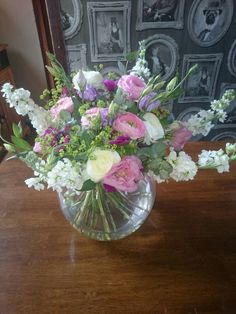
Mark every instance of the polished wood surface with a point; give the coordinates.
(182, 260)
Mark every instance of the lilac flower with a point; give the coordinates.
(120, 140)
(147, 103)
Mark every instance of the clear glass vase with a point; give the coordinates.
(105, 216)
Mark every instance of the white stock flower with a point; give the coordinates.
(100, 163)
(64, 175)
(24, 105)
(214, 159)
(230, 148)
(184, 168)
(155, 177)
(35, 183)
(154, 129)
(92, 78)
(200, 123)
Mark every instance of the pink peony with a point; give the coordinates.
(180, 136)
(64, 103)
(130, 125)
(125, 175)
(132, 85)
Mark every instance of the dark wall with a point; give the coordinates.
(183, 36)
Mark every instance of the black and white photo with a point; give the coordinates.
(161, 55)
(200, 85)
(76, 57)
(109, 29)
(160, 14)
(209, 20)
(71, 13)
(232, 59)
(231, 110)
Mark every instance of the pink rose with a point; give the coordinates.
(125, 175)
(180, 136)
(64, 103)
(129, 124)
(132, 85)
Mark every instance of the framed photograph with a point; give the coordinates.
(76, 57)
(200, 85)
(160, 14)
(109, 30)
(232, 59)
(223, 132)
(232, 108)
(162, 55)
(209, 20)
(71, 13)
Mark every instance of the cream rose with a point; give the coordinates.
(154, 129)
(92, 78)
(101, 163)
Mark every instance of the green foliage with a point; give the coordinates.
(17, 129)
(20, 143)
(88, 185)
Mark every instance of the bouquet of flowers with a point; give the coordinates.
(102, 142)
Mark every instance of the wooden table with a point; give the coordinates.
(182, 260)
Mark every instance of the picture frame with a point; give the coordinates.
(231, 62)
(109, 30)
(223, 132)
(76, 57)
(71, 13)
(208, 21)
(162, 55)
(200, 86)
(150, 16)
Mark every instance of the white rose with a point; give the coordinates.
(154, 129)
(101, 163)
(92, 78)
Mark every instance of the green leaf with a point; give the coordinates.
(51, 70)
(10, 148)
(172, 84)
(17, 130)
(121, 67)
(86, 137)
(132, 56)
(65, 115)
(158, 150)
(20, 143)
(88, 185)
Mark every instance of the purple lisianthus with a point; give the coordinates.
(110, 85)
(90, 93)
(104, 116)
(120, 140)
(148, 103)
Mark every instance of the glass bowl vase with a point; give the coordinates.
(105, 216)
